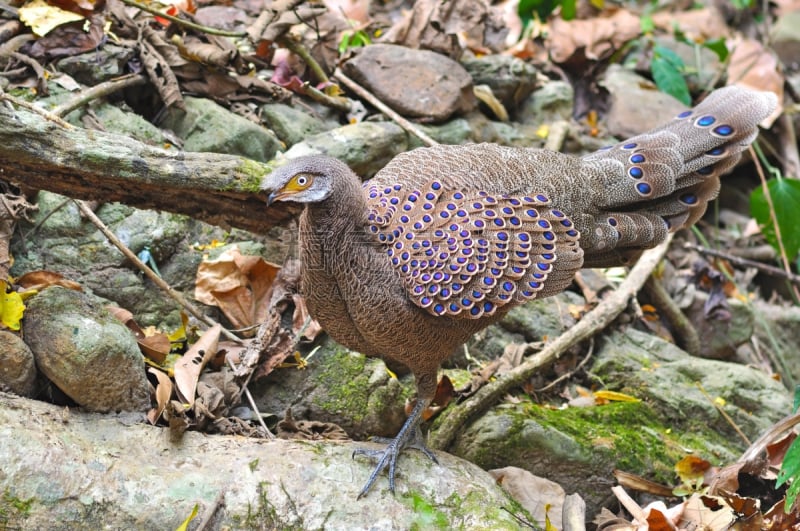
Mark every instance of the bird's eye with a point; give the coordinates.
(302, 181)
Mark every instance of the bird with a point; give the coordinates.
(443, 241)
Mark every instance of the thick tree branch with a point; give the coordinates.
(39, 154)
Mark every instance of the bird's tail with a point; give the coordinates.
(662, 180)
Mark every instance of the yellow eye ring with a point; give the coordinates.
(301, 181)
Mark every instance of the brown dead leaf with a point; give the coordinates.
(593, 39)
(638, 483)
(153, 344)
(533, 492)
(753, 66)
(188, 368)
(698, 25)
(449, 27)
(691, 468)
(163, 394)
(40, 280)
(239, 285)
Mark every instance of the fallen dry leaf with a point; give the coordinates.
(188, 368)
(594, 39)
(238, 284)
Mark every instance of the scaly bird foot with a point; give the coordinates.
(409, 437)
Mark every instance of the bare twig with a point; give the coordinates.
(744, 262)
(685, 333)
(149, 273)
(727, 417)
(361, 92)
(98, 91)
(184, 22)
(33, 108)
(590, 324)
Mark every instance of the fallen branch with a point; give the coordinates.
(37, 153)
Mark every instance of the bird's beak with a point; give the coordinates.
(271, 198)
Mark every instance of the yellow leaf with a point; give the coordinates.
(42, 17)
(614, 396)
(185, 525)
(12, 308)
(543, 131)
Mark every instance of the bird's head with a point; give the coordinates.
(307, 179)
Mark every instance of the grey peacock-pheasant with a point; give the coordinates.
(444, 241)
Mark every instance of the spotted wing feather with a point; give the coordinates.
(467, 254)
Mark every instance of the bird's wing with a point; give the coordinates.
(468, 253)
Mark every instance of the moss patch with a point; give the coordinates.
(346, 384)
(630, 434)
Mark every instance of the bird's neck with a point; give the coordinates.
(343, 211)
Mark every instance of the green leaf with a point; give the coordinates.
(785, 194)
(542, 8)
(790, 471)
(569, 9)
(796, 398)
(667, 68)
(646, 24)
(719, 47)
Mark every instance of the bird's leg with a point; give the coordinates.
(409, 436)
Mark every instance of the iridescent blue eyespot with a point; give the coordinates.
(723, 130)
(549, 236)
(542, 198)
(458, 195)
(438, 308)
(547, 256)
(478, 223)
(644, 188)
(412, 198)
(443, 214)
(461, 213)
(474, 310)
(502, 236)
(499, 222)
(508, 286)
(508, 210)
(630, 145)
(404, 268)
(425, 300)
(531, 213)
(689, 199)
(488, 306)
(454, 307)
(635, 172)
(706, 170)
(406, 207)
(684, 114)
(716, 152)
(514, 220)
(612, 222)
(544, 224)
(523, 236)
(436, 185)
(705, 121)
(636, 158)
(572, 233)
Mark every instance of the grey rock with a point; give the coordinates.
(207, 126)
(85, 352)
(723, 329)
(415, 83)
(17, 365)
(366, 146)
(511, 79)
(671, 381)
(99, 65)
(110, 468)
(553, 102)
(785, 39)
(291, 124)
(634, 108)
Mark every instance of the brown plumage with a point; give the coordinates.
(444, 241)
